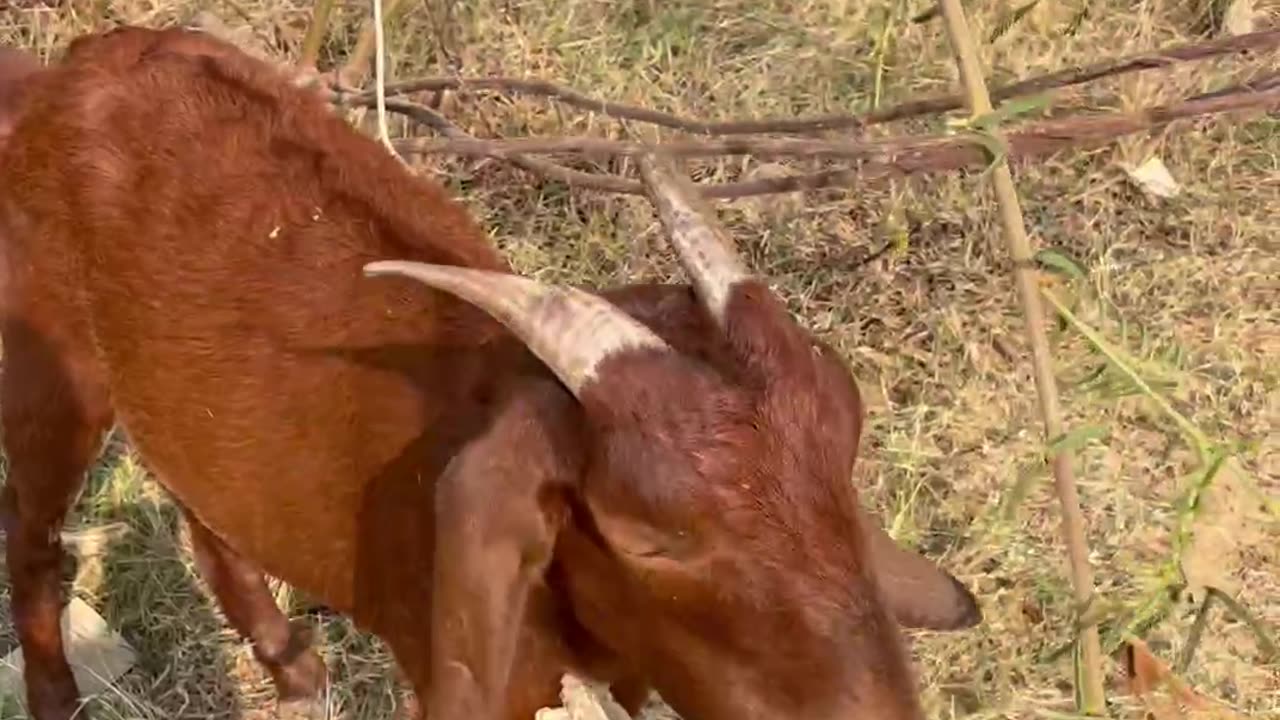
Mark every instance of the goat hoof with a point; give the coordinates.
(304, 709)
(302, 677)
(409, 708)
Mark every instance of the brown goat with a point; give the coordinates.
(649, 486)
(17, 72)
(16, 69)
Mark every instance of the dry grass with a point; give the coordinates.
(1190, 285)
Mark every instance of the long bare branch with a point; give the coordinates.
(1031, 139)
(1251, 42)
(877, 158)
(755, 147)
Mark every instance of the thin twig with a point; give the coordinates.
(1193, 637)
(1257, 41)
(1199, 441)
(882, 51)
(880, 158)
(1266, 644)
(1089, 686)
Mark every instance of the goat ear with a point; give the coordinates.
(918, 592)
(498, 512)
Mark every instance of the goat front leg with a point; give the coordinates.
(284, 649)
(55, 414)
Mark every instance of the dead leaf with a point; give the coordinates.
(89, 545)
(1153, 177)
(1163, 693)
(96, 653)
(1224, 528)
(587, 700)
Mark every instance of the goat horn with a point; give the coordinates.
(570, 330)
(705, 250)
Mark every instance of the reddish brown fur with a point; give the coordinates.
(186, 233)
(16, 69)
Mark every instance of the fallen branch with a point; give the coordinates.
(1257, 41)
(1054, 133)
(755, 147)
(890, 156)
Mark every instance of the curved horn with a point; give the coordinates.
(570, 330)
(705, 250)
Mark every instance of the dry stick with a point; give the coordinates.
(888, 157)
(1261, 40)
(315, 34)
(1089, 685)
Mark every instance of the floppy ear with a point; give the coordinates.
(918, 592)
(498, 511)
